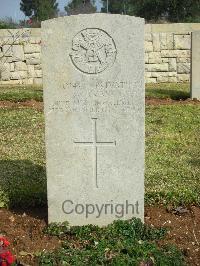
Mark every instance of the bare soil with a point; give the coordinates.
(24, 229)
(40, 106)
(31, 103)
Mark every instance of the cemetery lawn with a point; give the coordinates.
(172, 155)
(171, 183)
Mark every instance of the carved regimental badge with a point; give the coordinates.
(93, 50)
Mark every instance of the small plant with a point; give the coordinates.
(6, 257)
(120, 243)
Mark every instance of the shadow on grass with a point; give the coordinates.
(22, 185)
(167, 93)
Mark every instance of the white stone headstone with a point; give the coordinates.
(93, 74)
(195, 69)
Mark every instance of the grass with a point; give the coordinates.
(22, 164)
(172, 91)
(172, 156)
(172, 150)
(121, 243)
(21, 93)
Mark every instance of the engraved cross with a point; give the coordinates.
(95, 144)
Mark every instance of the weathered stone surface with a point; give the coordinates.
(7, 50)
(11, 82)
(5, 71)
(183, 59)
(148, 46)
(163, 41)
(148, 37)
(156, 42)
(162, 79)
(163, 74)
(170, 41)
(172, 79)
(150, 80)
(155, 58)
(94, 109)
(172, 64)
(31, 71)
(12, 67)
(38, 67)
(38, 73)
(32, 48)
(37, 81)
(183, 77)
(183, 68)
(195, 74)
(18, 75)
(157, 67)
(20, 66)
(182, 42)
(18, 53)
(175, 53)
(33, 59)
(29, 81)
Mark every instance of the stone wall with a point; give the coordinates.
(167, 54)
(20, 57)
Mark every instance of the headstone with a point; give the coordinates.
(93, 68)
(195, 72)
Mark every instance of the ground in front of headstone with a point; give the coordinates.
(25, 230)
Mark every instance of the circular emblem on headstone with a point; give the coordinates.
(93, 50)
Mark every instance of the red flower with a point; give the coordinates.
(4, 242)
(7, 258)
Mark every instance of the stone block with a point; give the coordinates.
(33, 59)
(148, 46)
(183, 68)
(31, 71)
(11, 82)
(5, 72)
(32, 48)
(20, 66)
(148, 37)
(172, 64)
(38, 73)
(18, 75)
(38, 67)
(163, 41)
(18, 53)
(175, 53)
(183, 77)
(150, 80)
(29, 81)
(157, 67)
(37, 81)
(182, 42)
(156, 42)
(12, 67)
(170, 41)
(162, 79)
(172, 79)
(7, 50)
(35, 40)
(155, 58)
(183, 59)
